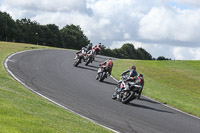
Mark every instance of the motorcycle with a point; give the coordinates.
(89, 57)
(96, 50)
(78, 59)
(127, 91)
(102, 73)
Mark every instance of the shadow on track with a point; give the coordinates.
(148, 100)
(147, 107)
(97, 61)
(102, 57)
(86, 68)
(110, 83)
(93, 66)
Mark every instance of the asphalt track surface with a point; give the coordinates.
(51, 73)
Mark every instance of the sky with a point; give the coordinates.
(169, 28)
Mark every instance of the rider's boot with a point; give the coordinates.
(97, 77)
(139, 95)
(114, 96)
(75, 57)
(116, 93)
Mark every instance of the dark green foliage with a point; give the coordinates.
(143, 54)
(74, 37)
(108, 52)
(162, 58)
(32, 32)
(127, 51)
(27, 31)
(7, 27)
(51, 36)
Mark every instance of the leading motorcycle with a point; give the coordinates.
(128, 90)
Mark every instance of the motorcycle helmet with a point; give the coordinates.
(140, 75)
(133, 67)
(90, 44)
(99, 45)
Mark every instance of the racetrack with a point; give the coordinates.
(51, 73)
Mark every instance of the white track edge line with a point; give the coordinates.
(6, 67)
(164, 104)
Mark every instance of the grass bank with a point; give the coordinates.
(23, 111)
(176, 83)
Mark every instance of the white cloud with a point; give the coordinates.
(169, 24)
(185, 53)
(154, 25)
(195, 53)
(178, 53)
(194, 3)
(126, 36)
(47, 5)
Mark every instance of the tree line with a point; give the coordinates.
(127, 51)
(70, 36)
(27, 31)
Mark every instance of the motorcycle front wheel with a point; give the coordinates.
(88, 61)
(127, 97)
(76, 62)
(102, 76)
(97, 77)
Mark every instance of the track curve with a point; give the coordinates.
(51, 73)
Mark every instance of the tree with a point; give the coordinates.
(53, 36)
(27, 31)
(162, 58)
(7, 27)
(128, 51)
(74, 37)
(143, 54)
(107, 52)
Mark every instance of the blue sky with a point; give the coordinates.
(181, 6)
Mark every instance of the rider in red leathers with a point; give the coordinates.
(108, 64)
(97, 48)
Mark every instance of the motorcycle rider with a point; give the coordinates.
(131, 77)
(108, 64)
(84, 50)
(89, 47)
(132, 72)
(98, 48)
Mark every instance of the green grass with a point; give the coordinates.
(22, 111)
(176, 83)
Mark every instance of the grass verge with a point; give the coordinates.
(176, 83)
(23, 111)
